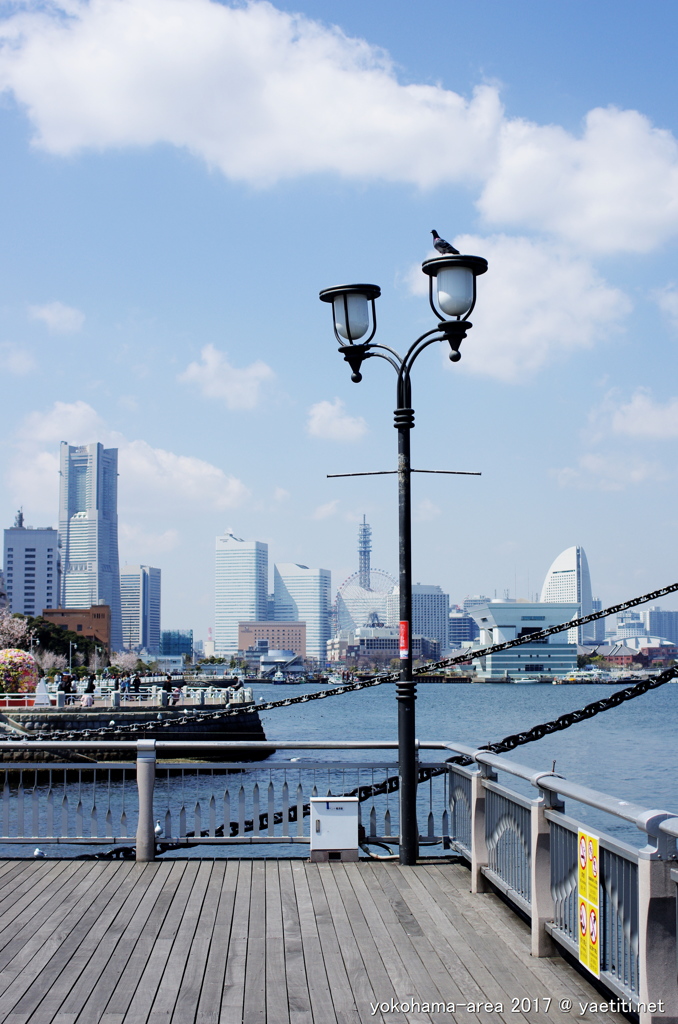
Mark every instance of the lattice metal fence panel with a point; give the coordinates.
(507, 832)
(461, 834)
(619, 918)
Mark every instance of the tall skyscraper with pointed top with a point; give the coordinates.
(88, 531)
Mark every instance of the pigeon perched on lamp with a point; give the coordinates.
(443, 247)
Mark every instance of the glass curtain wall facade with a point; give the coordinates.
(304, 594)
(140, 600)
(569, 580)
(241, 589)
(88, 531)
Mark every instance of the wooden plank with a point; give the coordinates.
(170, 983)
(98, 954)
(408, 973)
(188, 997)
(254, 1004)
(277, 1005)
(209, 1005)
(78, 938)
(117, 948)
(35, 946)
(120, 985)
(341, 987)
(369, 978)
(316, 973)
(25, 890)
(298, 995)
(233, 993)
(140, 1005)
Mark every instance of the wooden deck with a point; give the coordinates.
(267, 942)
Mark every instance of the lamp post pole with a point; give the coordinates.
(354, 315)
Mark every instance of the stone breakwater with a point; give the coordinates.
(150, 723)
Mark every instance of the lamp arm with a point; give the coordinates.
(404, 393)
(394, 359)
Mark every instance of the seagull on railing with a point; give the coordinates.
(443, 247)
(158, 829)
(37, 852)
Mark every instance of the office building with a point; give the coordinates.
(284, 636)
(140, 604)
(88, 531)
(430, 612)
(176, 643)
(568, 580)
(241, 589)
(463, 628)
(661, 623)
(304, 594)
(596, 631)
(32, 567)
(93, 623)
(500, 621)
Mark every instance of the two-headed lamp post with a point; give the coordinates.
(452, 296)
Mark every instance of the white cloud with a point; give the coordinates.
(140, 544)
(425, 511)
(327, 510)
(216, 378)
(609, 473)
(150, 478)
(614, 188)
(329, 421)
(537, 302)
(643, 417)
(265, 95)
(15, 360)
(667, 300)
(59, 318)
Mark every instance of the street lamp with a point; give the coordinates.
(452, 296)
(71, 647)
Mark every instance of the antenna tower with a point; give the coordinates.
(364, 549)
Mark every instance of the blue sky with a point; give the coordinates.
(181, 177)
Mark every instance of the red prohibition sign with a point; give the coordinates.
(582, 853)
(593, 927)
(582, 918)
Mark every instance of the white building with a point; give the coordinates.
(32, 568)
(304, 595)
(88, 531)
(430, 612)
(140, 602)
(500, 621)
(569, 580)
(241, 588)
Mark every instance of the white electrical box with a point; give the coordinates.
(334, 828)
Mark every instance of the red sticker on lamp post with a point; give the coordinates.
(404, 639)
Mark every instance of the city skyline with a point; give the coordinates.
(133, 287)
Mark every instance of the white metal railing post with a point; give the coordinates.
(479, 855)
(657, 925)
(145, 787)
(541, 897)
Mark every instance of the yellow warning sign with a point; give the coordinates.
(589, 901)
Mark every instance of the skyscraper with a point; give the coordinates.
(303, 594)
(241, 588)
(88, 530)
(568, 579)
(140, 600)
(31, 561)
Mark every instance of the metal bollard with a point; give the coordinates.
(115, 698)
(145, 787)
(61, 699)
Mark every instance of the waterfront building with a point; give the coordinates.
(380, 643)
(569, 580)
(176, 643)
(304, 595)
(32, 567)
(500, 621)
(463, 628)
(88, 531)
(140, 605)
(430, 612)
(661, 623)
(280, 635)
(241, 589)
(93, 623)
(596, 631)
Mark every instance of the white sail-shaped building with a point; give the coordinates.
(569, 579)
